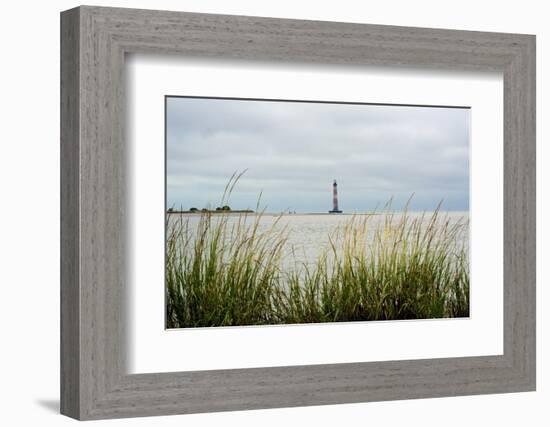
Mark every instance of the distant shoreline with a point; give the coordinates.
(238, 212)
(221, 211)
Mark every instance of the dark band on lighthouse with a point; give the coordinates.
(335, 199)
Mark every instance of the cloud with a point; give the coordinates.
(293, 151)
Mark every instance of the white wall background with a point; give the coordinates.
(29, 212)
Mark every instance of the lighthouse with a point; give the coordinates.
(335, 209)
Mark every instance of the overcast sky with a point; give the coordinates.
(293, 152)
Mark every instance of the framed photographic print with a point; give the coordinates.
(261, 213)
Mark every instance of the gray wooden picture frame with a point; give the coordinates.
(94, 41)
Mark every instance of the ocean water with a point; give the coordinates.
(307, 235)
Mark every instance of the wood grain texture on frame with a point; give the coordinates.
(94, 234)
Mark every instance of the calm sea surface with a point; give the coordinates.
(308, 234)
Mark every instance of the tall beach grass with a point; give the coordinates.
(230, 273)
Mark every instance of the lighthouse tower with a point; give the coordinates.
(335, 199)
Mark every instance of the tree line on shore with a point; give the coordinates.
(224, 208)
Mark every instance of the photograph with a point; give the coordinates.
(292, 212)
